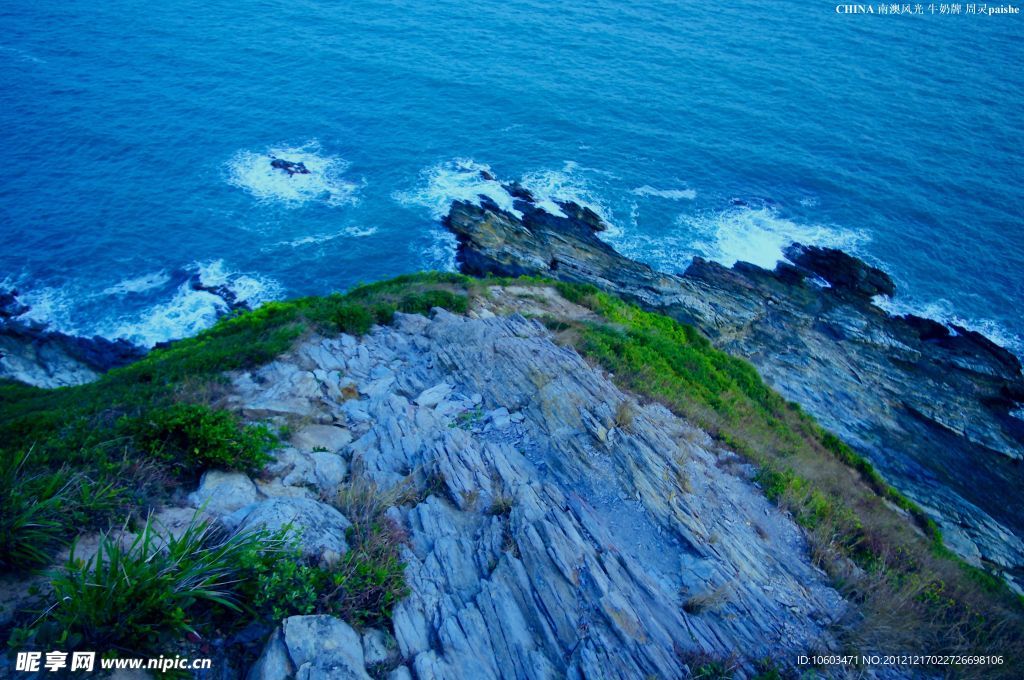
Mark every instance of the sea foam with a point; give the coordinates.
(670, 194)
(188, 310)
(943, 311)
(325, 182)
(758, 235)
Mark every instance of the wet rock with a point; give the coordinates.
(291, 167)
(10, 306)
(32, 354)
(843, 271)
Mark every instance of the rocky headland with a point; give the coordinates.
(929, 405)
(520, 504)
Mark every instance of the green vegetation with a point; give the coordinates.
(30, 505)
(370, 578)
(141, 596)
(85, 457)
(135, 433)
(914, 593)
(194, 436)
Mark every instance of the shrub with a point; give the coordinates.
(279, 582)
(369, 579)
(195, 436)
(353, 319)
(154, 590)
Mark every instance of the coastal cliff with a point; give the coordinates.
(455, 477)
(930, 406)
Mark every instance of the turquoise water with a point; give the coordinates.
(136, 139)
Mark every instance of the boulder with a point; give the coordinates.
(321, 437)
(223, 492)
(320, 527)
(324, 647)
(274, 662)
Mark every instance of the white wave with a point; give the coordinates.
(759, 235)
(568, 184)
(186, 313)
(943, 311)
(253, 172)
(439, 253)
(461, 179)
(670, 194)
(464, 179)
(1018, 414)
(190, 311)
(351, 232)
(139, 284)
(251, 289)
(52, 307)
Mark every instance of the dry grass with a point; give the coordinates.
(709, 600)
(624, 415)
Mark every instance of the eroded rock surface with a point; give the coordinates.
(931, 407)
(547, 539)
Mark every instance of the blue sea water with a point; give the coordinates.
(136, 139)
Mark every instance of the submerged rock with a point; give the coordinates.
(929, 406)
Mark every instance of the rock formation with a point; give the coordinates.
(547, 537)
(930, 406)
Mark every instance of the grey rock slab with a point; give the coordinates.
(321, 527)
(536, 549)
(274, 662)
(432, 396)
(327, 437)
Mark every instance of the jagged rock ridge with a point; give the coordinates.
(930, 406)
(551, 536)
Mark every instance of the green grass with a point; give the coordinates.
(190, 437)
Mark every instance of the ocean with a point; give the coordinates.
(137, 138)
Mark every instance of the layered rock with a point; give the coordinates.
(930, 406)
(548, 536)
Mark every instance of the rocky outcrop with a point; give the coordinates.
(547, 536)
(33, 354)
(930, 406)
